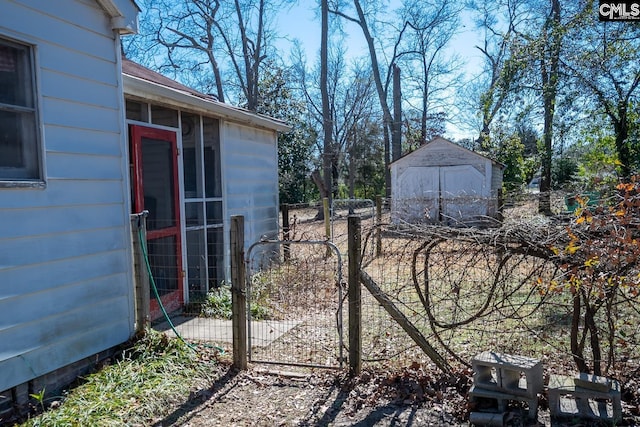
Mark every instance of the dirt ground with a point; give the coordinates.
(272, 397)
(413, 396)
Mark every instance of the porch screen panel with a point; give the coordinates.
(211, 133)
(159, 194)
(214, 212)
(196, 263)
(162, 255)
(215, 260)
(192, 156)
(203, 204)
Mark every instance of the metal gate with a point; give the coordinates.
(295, 297)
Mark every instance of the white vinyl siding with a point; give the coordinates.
(251, 178)
(65, 250)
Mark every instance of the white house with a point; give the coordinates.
(442, 182)
(86, 139)
(66, 286)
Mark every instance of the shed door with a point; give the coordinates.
(418, 190)
(462, 193)
(154, 155)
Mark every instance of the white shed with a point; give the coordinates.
(442, 182)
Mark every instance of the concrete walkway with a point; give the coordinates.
(263, 332)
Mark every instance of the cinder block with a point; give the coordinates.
(502, 399)
(487, 419)
(592, 382)
(516, 375)
(566, 398)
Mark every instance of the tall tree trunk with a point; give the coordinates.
(327, 122)
(251, 57)
(387, 161)
(382, 95)
(621, 128)
(550, 73)
(324, 192)
(396, 139)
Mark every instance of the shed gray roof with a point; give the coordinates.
(439, 138)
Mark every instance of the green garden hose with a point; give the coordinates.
(157, 296)
(155, 290)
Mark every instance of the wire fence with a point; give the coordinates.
(464, 289)
(466, 294)
(296, 304)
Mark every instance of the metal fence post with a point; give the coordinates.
(238, 293)
(355, 303)
(142, 291)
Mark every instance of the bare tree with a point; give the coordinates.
(551, 42)
(381, 88)
(428, 29)
(327, 122)
(499, 47)
(351, 107)
(216, 46)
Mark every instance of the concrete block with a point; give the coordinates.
(487, 418)
(592, 382)
(502, 400)
(517, 375)
(566, 398)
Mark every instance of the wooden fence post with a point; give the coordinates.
(355, 303)
(378, 226)
(327, 218)
(286, 231)
(238, 293)
(327, 224)
(142, 290)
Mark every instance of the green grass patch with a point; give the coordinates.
(139, 388)
(217, 304)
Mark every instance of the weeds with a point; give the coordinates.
(139, 386)
(217, 304)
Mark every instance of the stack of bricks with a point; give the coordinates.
(585, 396)
(502, 379)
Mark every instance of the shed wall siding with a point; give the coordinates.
(65, 258)
(250, 158)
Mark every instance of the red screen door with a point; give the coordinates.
(154, 155)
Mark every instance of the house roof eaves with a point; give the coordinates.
(149, 90)
(123, 13)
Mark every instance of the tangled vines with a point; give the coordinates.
(577, 273)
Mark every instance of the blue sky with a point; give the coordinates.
(300, 22)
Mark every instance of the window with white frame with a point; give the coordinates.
(19, 137)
